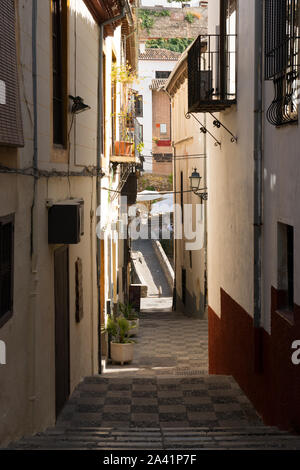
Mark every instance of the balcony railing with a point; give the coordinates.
(126, 140)
(212, 73)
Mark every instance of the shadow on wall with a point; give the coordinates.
(192, 307)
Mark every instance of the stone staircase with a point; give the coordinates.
(250, 438)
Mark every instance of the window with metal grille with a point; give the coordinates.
(59, 44)
(6, 267)
(282, 58)
(139, 106)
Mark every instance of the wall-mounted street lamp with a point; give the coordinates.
(195, 180)
(78, 105)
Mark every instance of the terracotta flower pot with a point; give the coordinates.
(123, 148)
(121, 352)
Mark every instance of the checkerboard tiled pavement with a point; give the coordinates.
(164, 400)
(158, 401)
(167, 343)
(166, 385)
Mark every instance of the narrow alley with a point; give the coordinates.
(149, 226)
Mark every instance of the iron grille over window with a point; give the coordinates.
(6, 267)
(282, 58)
(212, 73)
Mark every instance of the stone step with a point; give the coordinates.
(259, 437)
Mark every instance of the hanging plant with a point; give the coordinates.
(123, 74)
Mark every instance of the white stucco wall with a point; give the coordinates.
(230, 178)
(27, 381)
(188, 140)
(281, 196)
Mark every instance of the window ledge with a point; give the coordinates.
(287, 315)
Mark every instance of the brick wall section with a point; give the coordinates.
(161, 115)
(233, 346)
(175, 26)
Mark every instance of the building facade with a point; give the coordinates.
(189, 143)
(248, 92)
(52, 159)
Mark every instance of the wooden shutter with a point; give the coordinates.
(11, 130)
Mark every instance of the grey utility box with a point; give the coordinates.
(66, 222)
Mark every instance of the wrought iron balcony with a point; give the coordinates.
(126, 140)
(212, 73)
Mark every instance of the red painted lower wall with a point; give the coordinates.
(234, 346)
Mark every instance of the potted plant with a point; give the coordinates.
(123, 148)
(121, 346)
(128, 312)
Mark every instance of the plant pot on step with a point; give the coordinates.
(121, 352)
(123, 148)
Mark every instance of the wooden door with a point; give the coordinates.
(62, 327)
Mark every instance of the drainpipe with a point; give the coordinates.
(34, 222)
(258, 182)
(99, 148)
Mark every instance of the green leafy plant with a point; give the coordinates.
(118, 330)
(147, 17)
(190, 18)
(173, 44)
(127, 311)
(140, 147)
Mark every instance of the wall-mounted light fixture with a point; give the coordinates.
(195, 180)
(78, 105)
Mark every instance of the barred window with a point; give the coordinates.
(282, 58)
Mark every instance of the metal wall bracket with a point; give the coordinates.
(217, 123)
(203, 129)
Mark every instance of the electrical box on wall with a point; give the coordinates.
(66, 222)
